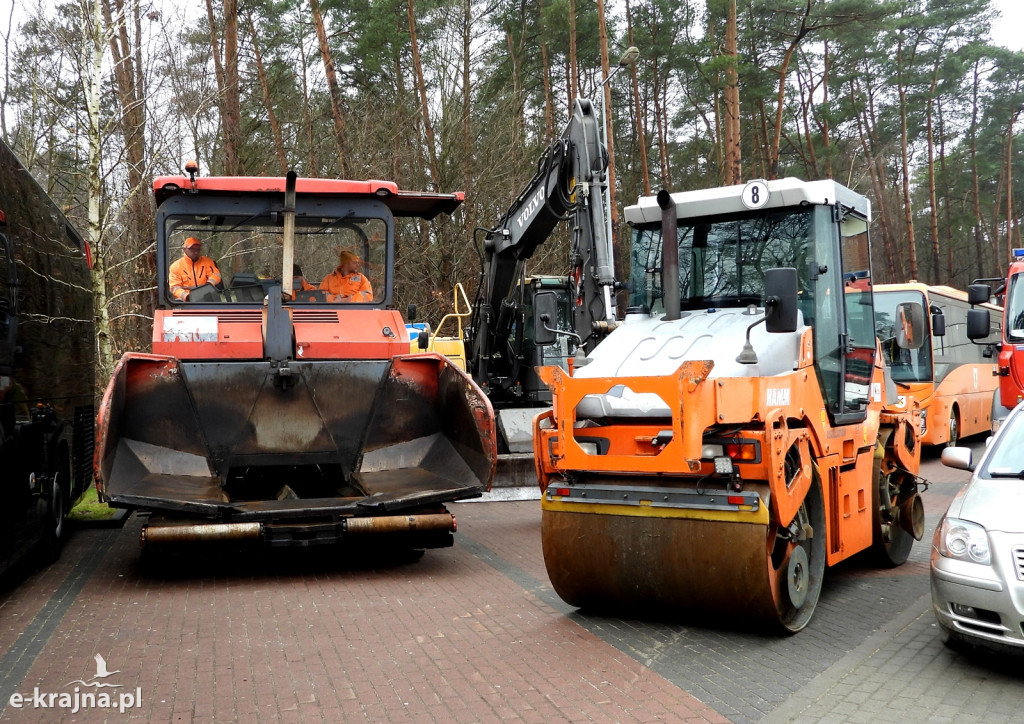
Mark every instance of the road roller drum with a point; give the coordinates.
(734, 568)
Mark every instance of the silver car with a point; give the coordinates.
(977, 566)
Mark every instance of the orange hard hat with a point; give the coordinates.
(345, 256)
(192, 241)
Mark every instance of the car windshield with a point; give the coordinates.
(1006, 457)
(248, 253)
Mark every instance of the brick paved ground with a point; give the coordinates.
(468, 634)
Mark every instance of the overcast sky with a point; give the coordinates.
(1007, 30)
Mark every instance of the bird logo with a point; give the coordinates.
(101, 673)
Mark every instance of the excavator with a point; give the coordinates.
(738, 432)
(569, 186)
(271, 410)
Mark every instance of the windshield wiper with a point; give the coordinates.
(1006, 474)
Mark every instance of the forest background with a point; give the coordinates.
(906, 101)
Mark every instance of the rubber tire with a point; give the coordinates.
(794, 620)
(894, 550)
(954, 428)
(55, 525)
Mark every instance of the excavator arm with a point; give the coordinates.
(569, 185)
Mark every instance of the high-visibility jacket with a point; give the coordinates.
(185, 275)
(347, 287)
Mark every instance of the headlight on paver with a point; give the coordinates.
(964, 541)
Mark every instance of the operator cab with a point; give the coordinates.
(243, 237)
(728, 239)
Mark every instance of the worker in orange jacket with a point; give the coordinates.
(299, 283)
(346, 283)
(192, 270)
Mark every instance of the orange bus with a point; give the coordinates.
(950, 376)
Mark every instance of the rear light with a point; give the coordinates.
(741, 451)
(562, 492)
(738, 500)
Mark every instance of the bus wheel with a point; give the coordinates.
(954, 428)
(54, 523)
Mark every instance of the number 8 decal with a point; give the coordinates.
(755, 194)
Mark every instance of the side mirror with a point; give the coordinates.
(410, 313)
(961, 458)
(423, 340)
(938, 324)
(979, 323)
(780, 299)
(910, 326)
(978, 293)
(545, 318)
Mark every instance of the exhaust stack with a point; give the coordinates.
(669, 255)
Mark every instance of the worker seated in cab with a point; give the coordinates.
(299, 283)
(192, 270)
(346, 283)
(302, 290)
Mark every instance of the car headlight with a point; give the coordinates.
(964, 541)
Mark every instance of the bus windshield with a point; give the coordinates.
(906, 365)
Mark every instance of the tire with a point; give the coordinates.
(55, 524)
(891, 544)
(954, 428)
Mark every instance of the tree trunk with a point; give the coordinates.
(132, 100)
(641, 116)
(773, 149)
(549, 101)
(733, 160)
(421, 85)
(826, 140)
(983, 235)
(661, 124)
(337, 112)
(933, 201)
(226, 69)
(467, 107)
(877, 187)
(1008, 159)
(574, 90)
(908, 214)
(233, 164)
(268, 104)
(613, 209)
(94, 233)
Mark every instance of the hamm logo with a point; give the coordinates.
(777, 396)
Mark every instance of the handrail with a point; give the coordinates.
(454, 315)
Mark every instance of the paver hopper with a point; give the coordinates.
(271, 409)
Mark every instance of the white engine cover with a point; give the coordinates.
(652, 347)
